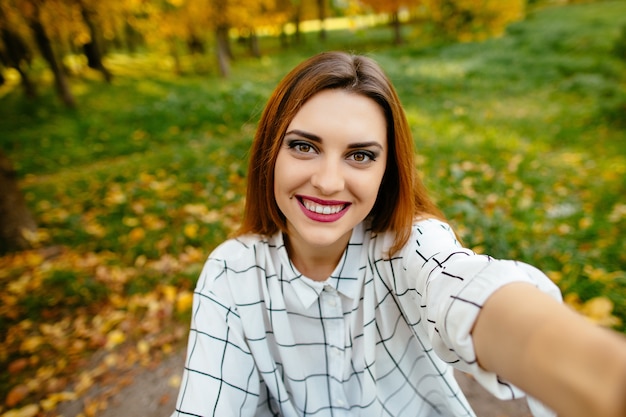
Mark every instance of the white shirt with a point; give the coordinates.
(378, 338)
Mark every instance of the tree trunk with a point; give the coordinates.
(131, 37)
(397, 28)
(223, 50)
(297, 18)
(17, 55)
(45, 47)
(93, 49)
(254, 44)
(321, 8)
(178, 68)
(15, 218)
(284, 41)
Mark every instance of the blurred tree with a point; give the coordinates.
(321, 15)
(393, 9)
(15, 218)
(93, 48)
(222, 26)
(32, 13)
(15, 53)
(468, 20)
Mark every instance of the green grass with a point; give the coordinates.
(521, 140)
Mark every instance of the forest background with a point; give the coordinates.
(125, 127)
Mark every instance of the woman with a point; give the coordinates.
(345, 293)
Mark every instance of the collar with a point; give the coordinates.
(346, 278)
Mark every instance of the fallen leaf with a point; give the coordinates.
(30, 410)
(16, 395)
(184, 301)
(17, 366)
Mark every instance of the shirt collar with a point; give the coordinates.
(346, 278)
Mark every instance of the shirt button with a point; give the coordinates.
(331, 302)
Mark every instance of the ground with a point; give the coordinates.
(151, 392)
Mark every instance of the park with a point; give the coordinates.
(132, 168)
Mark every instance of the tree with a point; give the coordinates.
(468, 20)
(16, 55)
(393, 9)
(93, 49)
(15, 218)
(32, 13)
(321, 9)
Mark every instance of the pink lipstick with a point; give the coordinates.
(322, 210)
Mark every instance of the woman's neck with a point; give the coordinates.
(315, 262)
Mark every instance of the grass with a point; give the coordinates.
(508, 130)
(521, 139)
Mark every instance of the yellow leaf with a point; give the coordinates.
(115, 196)
(137, 234)
(85, 381)
(139, 135)
(30, 410)
(169, 291)
(115, 338)
(112, 360)
(598, 310)
(31, 344)
(174, 381)
(130, 221)
(195, 209)
(191, 230)
(52, 400)
(143, 347)
(184, 302)
(555, 276)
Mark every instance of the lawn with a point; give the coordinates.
(521, 139)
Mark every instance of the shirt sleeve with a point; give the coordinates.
(220, 377)
(455, 283)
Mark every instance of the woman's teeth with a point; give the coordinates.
(320, 209)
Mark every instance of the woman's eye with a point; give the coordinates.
(362, 156)
(303, 147)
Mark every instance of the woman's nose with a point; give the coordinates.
(328, 178)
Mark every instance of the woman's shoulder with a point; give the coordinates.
(234, 262)
(430, 236)
(431, 225)
(241, 247)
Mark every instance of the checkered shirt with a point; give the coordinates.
(379, 337)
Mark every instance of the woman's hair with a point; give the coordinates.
(402, 196)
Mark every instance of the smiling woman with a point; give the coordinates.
(345, 292)
(328, 173)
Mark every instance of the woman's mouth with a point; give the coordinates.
(323, 211)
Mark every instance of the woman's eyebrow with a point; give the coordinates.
(318, 139)
(304, 134)
(365, 145)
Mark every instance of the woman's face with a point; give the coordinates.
(329, 168)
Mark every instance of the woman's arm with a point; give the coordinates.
(552, 353)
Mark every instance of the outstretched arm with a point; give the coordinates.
(552, 353)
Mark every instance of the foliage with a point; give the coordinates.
(136, 186)
(468, 20)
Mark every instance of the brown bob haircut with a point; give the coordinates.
(402, 196)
